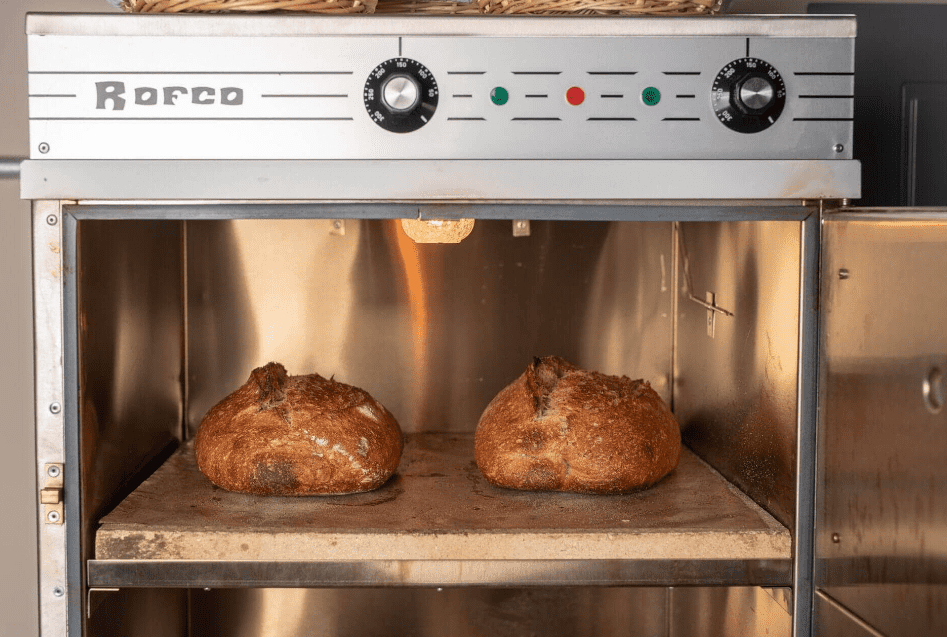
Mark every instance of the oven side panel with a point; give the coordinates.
(130, 325)
(736, 376)
(881, 536)
(431, 331)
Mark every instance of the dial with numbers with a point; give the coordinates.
(748, 95)
(400, 95)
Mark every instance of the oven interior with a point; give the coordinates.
(172, 314)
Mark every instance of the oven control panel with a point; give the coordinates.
(471, 89)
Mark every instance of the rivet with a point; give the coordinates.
(835, 538)
(44, 148)
(52, 220)
(839, 148)
(843, 274)
(53, 471)
(58, 591)
(55, 408)
(337, 224)
(53, 516)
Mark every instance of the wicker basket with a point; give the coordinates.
(432, 7)
(550, 7)
(249, 6)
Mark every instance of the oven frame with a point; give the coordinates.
(67, 584)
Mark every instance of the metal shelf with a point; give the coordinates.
(439, 523)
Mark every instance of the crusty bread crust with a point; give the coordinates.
(298, 435)
(561, 428)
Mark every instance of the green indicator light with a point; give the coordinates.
(650, 96)
(499, 96)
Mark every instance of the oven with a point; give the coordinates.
(666, 199)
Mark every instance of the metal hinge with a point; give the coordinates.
(51, 495)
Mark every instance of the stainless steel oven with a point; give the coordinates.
(661, 198)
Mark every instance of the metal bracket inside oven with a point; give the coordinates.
(710, 303)
(51, 495)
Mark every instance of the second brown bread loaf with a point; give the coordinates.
(561, 428)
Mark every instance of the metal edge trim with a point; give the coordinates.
(55, 584)
(436, 181)
(252, 574)
(228, 210)
(75, 566)
(807, 423)
(889, 215)
(803, 26)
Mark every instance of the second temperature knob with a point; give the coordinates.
(401, 95)
(748, 95)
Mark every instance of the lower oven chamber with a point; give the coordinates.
(172, 311)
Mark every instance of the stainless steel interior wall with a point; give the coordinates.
(881, 540)
(735, 391)
(129, 286)
(738, 611)
(432, 331)
(138, 612)
(455, 612)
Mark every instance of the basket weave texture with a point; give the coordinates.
(249, 6)
(431, 7)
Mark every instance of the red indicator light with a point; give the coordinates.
(575, 96)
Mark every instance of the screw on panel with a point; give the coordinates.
(53, 516)
(59, 591)
(835, 538)
(44, 148)
(843, 274)
(55, 408)
(52, 220)
(53, 471)
(839, 148)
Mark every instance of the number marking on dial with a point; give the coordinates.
(392, 117)
(748, 95)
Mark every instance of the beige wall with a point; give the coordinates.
(18, 595)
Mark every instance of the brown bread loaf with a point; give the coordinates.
(298, 435)
(561, 428)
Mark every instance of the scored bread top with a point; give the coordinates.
(561, 428)
(298, 435)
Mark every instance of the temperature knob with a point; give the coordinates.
(748, 95)
(400, 95)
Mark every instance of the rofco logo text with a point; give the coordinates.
(112, 95)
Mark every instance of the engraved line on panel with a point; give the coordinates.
(191, 72)
(823, 119)
(827, 97)
(537, 95)
(612, 96)
(681, 119)
(191, 119)
(685, 97)
(466, 119)
(466, 72)
(304, 95)
(612, 72)
(536, 119)
(681, 72)
(53, 95)
(612, 119)
(536, 72)
(842, 73)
